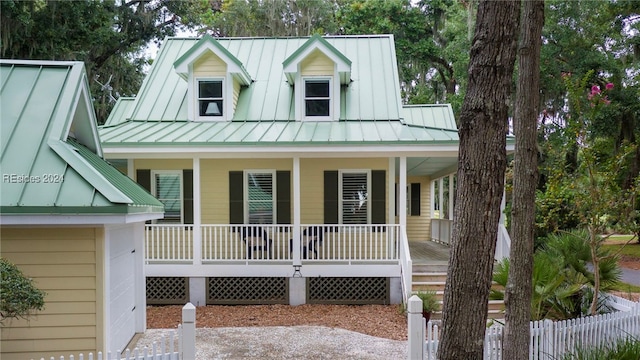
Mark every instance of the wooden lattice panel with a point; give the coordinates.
(344, 290)
(167, 290)
(247, 290)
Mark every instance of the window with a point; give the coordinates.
(317, 98)
(260, 197)
(210, 99)
(354, 197)
(167, 187)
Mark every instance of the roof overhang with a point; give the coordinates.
(77, 219)
(205, 45)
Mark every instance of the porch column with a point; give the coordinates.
(391, 175)
(130, 170)
(197, 214)
(441, 198)
(402, 189)
(450, 197)
(432, 198)
(296, 211)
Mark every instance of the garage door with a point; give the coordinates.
(122, 291)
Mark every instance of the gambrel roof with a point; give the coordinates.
(51, 157)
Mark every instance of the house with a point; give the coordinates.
(289, 168)
(69, 220)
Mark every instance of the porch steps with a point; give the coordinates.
(433, 277)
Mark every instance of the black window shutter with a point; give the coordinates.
(331, 197)
(236, 198)
(378, 201)
(143, 177)
(415, 199)
(187, 195)
(283, 197)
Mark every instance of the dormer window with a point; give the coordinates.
(210, 97)
(317, 97)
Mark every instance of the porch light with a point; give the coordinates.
(296, 271)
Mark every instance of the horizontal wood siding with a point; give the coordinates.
(316, 64)
(419, 227)
(62, 262)
(214, 183)
(312, 182)
(236, 93)
(209, 65)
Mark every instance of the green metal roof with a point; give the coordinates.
(373, 94)
(157, 133)
(50, 156)
(120, 111)
(439, 116)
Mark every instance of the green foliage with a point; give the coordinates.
(626, 349)
(19, 296)
(562, 280)
(430, 302)
(108, 36)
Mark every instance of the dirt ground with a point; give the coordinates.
(384, 321)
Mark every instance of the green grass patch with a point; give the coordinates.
(626, 288)
(632, 249)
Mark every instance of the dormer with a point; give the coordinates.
(317, 70)
(214, 78)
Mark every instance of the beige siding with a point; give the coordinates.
(312, 182)
(209, 65)
(215, 183)
(419, 227)
(236, 93)
(316, 64)
(62, 261)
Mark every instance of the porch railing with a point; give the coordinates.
(441, 230)
(406, 267)
(272, 243)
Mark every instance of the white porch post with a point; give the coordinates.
(450, 197)
(296, 211)
(441, 198)
(197, 214)
(130, 169)
(402, 203)
(391, 176)
(432, 198)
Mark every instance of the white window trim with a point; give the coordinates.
(340, 194)
(331, 98)
(196, 98)
(245, 192)
(155, 194)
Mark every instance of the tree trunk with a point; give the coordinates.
(525, 179)
(481, 168)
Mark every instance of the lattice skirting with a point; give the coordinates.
(167, 290)
(247, 290)
(344, 290)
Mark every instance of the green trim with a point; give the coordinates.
(308, 43)
(208, 39)
(79, 210)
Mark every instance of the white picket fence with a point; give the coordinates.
(548, 339)
(176, 345)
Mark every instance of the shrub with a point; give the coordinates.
(627, 349)
(19, 296)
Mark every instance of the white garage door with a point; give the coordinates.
(122, 294)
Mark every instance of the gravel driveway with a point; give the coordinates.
(287, 342)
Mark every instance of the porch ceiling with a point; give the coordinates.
(428, 166)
